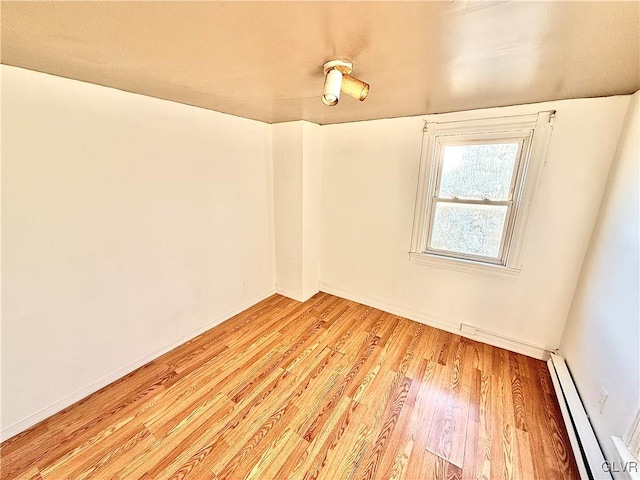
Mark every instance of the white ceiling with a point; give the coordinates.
(263, 60)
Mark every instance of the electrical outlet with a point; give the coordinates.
(602, 399)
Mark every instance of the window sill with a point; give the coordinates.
(467, 266)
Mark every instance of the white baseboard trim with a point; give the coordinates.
(310, 294)
(63, 403)
(467, 331)
(295, 296)
(389, 307)
(289, 294)
(505, 342)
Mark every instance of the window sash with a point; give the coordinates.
(442, 144)
(515, 190)
(470, 256)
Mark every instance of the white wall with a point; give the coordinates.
(369, 178)
(311, 179)
(129, 224)
(287, 198)
(601, 340)
(297, 156)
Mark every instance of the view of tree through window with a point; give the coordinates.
(473, 172)
(478, 171)
(471, 229)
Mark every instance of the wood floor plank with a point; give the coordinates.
(322, 446)
(423, 417)
(271, 460)
(404, 434)
(31, 474)
(447, 437)
(328, 388)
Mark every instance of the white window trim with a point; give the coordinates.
(632, 438)
(535, 129)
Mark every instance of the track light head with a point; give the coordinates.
(332, 85)
(337, 79)
(354, 87)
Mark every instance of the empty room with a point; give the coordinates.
(304, 240)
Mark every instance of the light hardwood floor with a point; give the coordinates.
(323, 389)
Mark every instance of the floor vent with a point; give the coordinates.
(583, 439)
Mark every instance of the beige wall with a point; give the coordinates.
(601, 341)
(129, 224)
(369, 177)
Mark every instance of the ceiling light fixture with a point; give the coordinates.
(337, 79)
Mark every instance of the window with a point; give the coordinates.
(476, 181)
(632, 439)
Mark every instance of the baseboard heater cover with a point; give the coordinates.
(584, 443)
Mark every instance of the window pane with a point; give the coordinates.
(478, 171)
(471, 229)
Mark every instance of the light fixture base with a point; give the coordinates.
(344, 66)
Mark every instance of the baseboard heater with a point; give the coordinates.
(585, 446)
